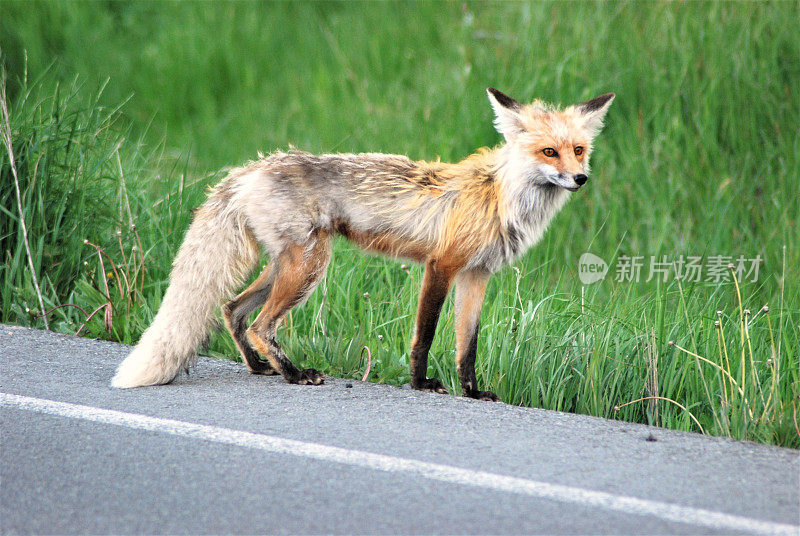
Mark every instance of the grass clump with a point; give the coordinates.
(63, 147)
(82, 197)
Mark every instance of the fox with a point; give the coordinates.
(463, 221)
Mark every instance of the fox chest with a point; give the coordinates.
(524, 227)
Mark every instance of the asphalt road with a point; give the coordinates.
(223, 451)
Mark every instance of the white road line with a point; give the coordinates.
(380, 462)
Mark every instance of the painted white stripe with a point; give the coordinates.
(380, 462)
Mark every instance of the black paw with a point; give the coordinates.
(483, 395)
(430, 384)
(310, 377)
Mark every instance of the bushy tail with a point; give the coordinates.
(216, 254)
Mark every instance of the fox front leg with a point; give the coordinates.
(470, 289)
(435, 286)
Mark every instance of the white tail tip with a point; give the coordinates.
(144, 367)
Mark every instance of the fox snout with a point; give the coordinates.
(574, 182)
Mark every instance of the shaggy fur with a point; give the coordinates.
(464, 221)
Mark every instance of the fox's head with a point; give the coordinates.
(548, 145)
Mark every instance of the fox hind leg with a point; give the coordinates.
(298, 270)
(237, 311)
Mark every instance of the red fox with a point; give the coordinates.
(464, 221)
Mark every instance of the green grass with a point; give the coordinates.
(700, 157)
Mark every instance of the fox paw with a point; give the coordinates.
(431, 384)
(483, 395)
(310, 377)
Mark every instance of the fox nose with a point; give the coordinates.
(581, 179)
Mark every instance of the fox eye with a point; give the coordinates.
(549, 151)
(578, 150)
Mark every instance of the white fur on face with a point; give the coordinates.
(544, 171)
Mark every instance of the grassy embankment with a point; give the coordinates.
(699, 158)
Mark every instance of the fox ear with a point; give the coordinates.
(506, 113)
(593, 111)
